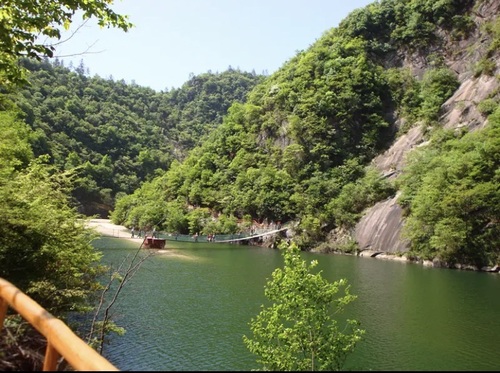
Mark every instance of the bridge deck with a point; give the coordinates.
(249, 237)
(219, 238)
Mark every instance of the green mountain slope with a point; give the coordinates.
(119, 134)
(301, 147)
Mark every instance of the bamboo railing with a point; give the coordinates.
(61, 341)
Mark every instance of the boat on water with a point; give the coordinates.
(154, 243)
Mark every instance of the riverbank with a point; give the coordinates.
(106, 228)
(436, 263)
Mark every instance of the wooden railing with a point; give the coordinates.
(61, 341)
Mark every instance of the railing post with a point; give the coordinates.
(3, 311)
(61, 340)
(51, 357)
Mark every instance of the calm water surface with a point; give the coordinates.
(189, 308)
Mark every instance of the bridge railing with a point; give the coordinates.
(61, 341)
(200, 238)
(221, 237)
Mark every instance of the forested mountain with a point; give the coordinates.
(322, 142)
(307, 143)
(382, 136)
(117, 135)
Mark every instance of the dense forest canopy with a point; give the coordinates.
(118, 135)
(300, 147)
(230, 148)
(451, 192)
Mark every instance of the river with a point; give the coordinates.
(189, 308)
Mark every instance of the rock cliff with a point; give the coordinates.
(379, 230)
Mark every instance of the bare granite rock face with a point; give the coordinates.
(392, 161)
(380, 228)
(461, 108)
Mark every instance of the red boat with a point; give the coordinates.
(154, 243)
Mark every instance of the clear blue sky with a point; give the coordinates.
(173, 38)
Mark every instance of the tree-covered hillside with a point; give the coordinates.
(295, 146)
(117, 135)
(300, 147)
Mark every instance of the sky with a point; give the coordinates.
(175, 38)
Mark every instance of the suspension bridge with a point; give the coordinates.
(252, 236)
(223, 238)
(105, 227)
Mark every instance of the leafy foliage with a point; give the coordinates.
(411, 25)
(117, 135)
(297, 331)
(354, 197)
(23, 24)
(451, 194)
(44, 246)
(437, 85)
(421, 99)
(299, 147)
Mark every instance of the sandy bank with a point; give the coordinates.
(106, 228)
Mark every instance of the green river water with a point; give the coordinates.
(188, 309)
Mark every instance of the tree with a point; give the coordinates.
(451, 197)
(298, 332)
(436, 87)
(102, 324)
(45, 247)
(23, 24)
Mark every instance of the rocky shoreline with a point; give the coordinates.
(436, 263)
